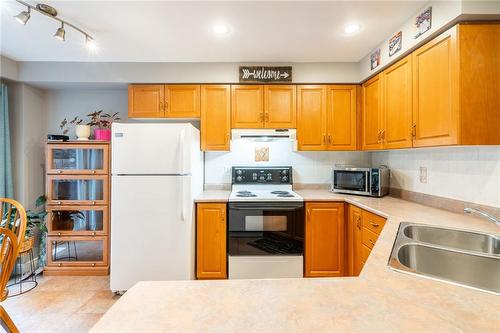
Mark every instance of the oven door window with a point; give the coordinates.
(351, 180)
(265, 230)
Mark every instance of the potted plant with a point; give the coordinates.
(36, 228)
(103, 122)
(82, 131)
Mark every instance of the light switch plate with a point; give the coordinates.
(423, 175)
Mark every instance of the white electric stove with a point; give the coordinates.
(265, 224)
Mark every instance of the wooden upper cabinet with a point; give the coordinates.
(324, 239)
(311, 117)
(280, 106)
(146, 101)
(247, 109)
(182, 101)
(211, 260)
(397, 105)
(342, 121)
(435, 91)
(215, 117)
(372, 114)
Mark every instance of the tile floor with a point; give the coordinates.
(61, 304)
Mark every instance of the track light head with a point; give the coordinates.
(90, 43)
(60, 33)
(23, 16)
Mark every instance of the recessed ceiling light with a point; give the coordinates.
(351, 28)
(221, 29)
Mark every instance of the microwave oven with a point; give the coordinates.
(372, 182)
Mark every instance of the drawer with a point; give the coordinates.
(77, 220)
(365, 253)
(77, 251)
(373, 222)
(77, 190)
(77, 158)
(368, 237)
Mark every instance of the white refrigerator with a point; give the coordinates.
(156, 172)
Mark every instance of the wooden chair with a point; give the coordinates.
(12, 231)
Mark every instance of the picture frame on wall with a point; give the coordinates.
(395, 43)
(423, 22)
(375, 59)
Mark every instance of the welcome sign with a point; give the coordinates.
(266, 74)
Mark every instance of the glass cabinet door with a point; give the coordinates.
(77, 159)
(77, 190)
(77, 251)
(77, 220)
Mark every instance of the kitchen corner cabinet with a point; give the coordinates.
(324, 239)
(211, 255)
(215, 117)
(163, 101)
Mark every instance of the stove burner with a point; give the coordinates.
(246, 195)
(287, 195)
(280, 192)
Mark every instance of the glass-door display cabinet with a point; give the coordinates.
(77, 190)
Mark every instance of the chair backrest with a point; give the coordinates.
(9, 249)
(13, 217)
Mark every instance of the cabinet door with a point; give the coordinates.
(372, 114)
(77, 158)
(146, 101)
(354, 240)
(398, 105)
(77, 190)
(247, 106)
(77, 251)
(215, 117)
(341, 118)
(435, 91)
(324, 239)
(311, 117)
(182, 101)
(211, 241)
(280, 106)
(77, 220)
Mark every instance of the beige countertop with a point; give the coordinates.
(213, 196)
(379, 300)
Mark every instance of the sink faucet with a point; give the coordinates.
(493, 219)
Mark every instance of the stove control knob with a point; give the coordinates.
(239, 179)
(262, 178)
(239, 172)
(284, 172)
(269, 176)
(284, 179)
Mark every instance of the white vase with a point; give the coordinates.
(82, 132)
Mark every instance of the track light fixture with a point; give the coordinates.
(51, 12)
(23, 16)
(60, 33)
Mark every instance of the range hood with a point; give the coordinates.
(264, 134)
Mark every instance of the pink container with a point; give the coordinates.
(102, 134)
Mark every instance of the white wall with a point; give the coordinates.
(27, 112)
(464, 173)
(308, 167)
(8, 68)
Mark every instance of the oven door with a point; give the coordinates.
(271, 228)
(352, 181)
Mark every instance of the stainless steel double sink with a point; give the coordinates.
(467, 258)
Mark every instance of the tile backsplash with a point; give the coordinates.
(469, 174)
(308, 167)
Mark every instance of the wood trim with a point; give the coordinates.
(105, 222)
(52, 146)
(53, 201)
(75, 271)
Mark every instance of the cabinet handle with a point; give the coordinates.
(383, 135)
(228, 137)
(59, 171)
(261, 116)
(267, 116)
(93, 202)
(358, 223)
(329, 139)
(58, 234)
(59, 265)
(371, 242)
(379, 135)
(374, 224)
(414, 131)
(161, 106)
(93, 171)
(58, 202)
(93, 264)
(94, 233)
(324, 139)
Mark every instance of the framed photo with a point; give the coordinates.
(395, 43)
(423, 22)
(375, 59)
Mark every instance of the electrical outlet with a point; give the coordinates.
(423, 175)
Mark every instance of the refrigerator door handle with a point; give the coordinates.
(182, 137)
(183, 202)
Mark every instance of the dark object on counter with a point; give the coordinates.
(57, 137)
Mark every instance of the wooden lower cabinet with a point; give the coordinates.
(324, 239)
(211, 254)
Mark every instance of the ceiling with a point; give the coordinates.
(183, 31)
